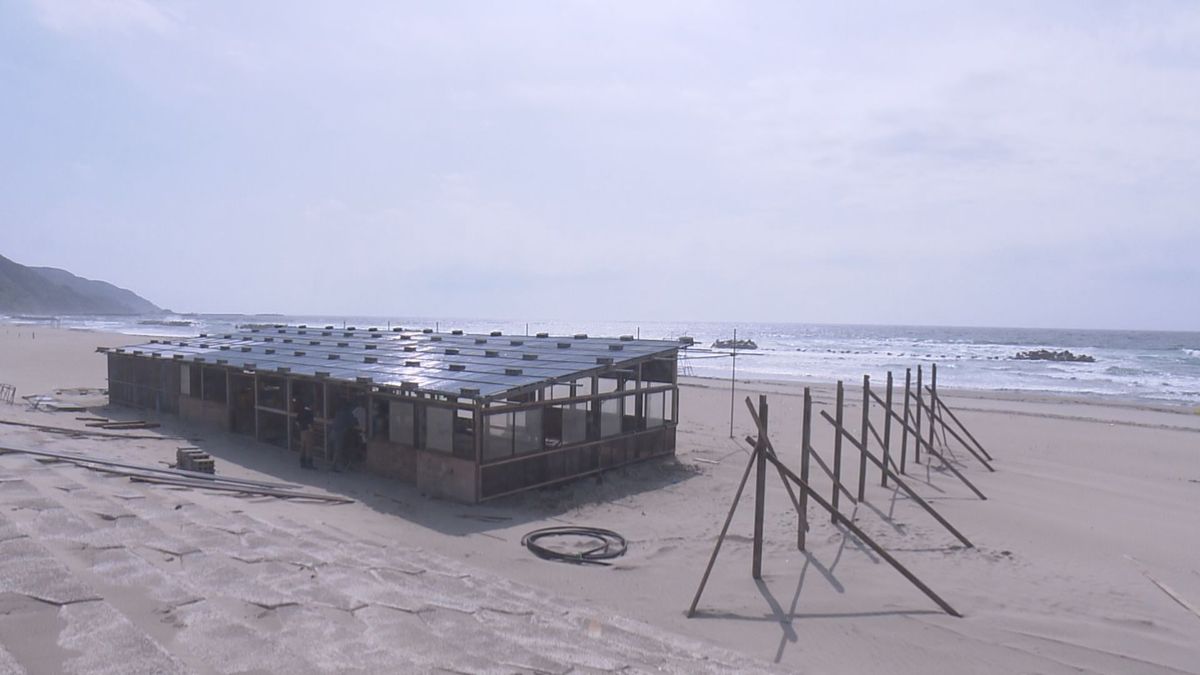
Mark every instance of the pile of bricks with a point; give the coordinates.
(194, 459)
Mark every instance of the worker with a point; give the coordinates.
(304, 422)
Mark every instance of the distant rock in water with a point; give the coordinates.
(164, 322)
(1051, 355)
(735, 344)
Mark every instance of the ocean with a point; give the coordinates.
(1145, 365)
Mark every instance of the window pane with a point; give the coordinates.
(654, 410)
(610, 416)
(574, 423)
(527, 431)
(439, 428)
(401, 422)
(498, 436)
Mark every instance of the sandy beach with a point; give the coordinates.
(1086, 553)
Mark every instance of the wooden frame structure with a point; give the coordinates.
(463, 416)
(936, 413)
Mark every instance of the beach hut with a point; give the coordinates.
(470, 417)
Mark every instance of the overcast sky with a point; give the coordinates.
(1013, 164)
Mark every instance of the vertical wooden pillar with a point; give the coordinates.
(639, 405)
(760, 487)
(917, 425)
(255, 384)
(229, 425)
(887, 431)
(904, 430)
(805, 441)
(932, 400)
(866, 424)
(837, 453)
(325, 416)
(287, 405)
(732, 382)
(478, 414)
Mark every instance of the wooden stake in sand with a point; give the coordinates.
(760, 488)
(904, 423)
(934, 417)
(765, 448)
(805, 439)
(899, 483)
(837, 450)
(887, 431)
(946, 463)
(941, 406)
(866, 424)
(917, 426)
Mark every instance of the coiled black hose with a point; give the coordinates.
(609, 545)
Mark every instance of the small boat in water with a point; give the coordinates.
(735, 344)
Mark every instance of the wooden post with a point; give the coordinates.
(917, 426)
(866, 423)
(862, 448)
(887, 432)
(737, 497)
(229, 409)
(288, 407)
(862, 536)
(933, 415)
(904, 431)
(805, 441)
(837, 452)
(732, 382)
(942, 405)
(932, 398)
(918, 441)
(256, 436)
(479, 421)
(325, 415)
(760, 488)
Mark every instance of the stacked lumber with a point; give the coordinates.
(194, 459)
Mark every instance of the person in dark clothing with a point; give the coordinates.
(304, 422)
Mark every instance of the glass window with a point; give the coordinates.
(611, 410)
(654, 409)
(498, 437)
(574, 423)
(439, 428)
(527, 431)
(401, 423)
(185, 380)
(669, 405)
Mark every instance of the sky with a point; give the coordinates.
(993, 164)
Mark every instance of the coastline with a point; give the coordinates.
(59, 338)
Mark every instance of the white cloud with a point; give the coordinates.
(90, 16)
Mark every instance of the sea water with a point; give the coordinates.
(1148, 365)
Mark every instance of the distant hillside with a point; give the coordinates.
(46, 290)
